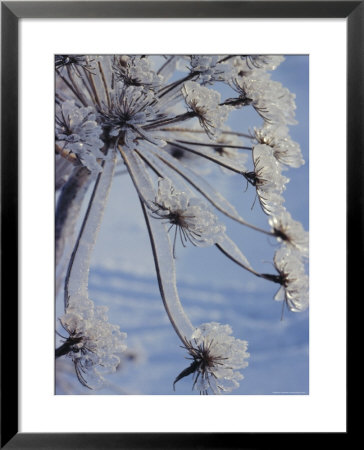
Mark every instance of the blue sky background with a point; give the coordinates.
(211, 287)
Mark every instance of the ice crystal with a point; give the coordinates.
(131, 109)
(290, 232)
(285, 150)
(204, 102)
(209, 68)
(94, 345)
(256, 62)
(268, 179)
(275, 103)
(135, 71)
(191, 217)
(293, 279)
(78, 132)
(216, 359)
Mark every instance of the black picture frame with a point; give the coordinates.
(11, 12)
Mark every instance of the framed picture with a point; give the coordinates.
(190, 84)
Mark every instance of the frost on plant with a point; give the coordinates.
(192, 219)
(216, 359)
(93, 344)
(175, 127)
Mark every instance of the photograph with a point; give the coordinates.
(181, 224)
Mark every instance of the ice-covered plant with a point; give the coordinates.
(165, 120)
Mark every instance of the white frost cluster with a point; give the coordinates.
(190, 214)
(285, 150)
(204, 102)
(136, 71)
(257, 62)
(290, 232)
(218, 357)
(275, 103)
(78, 132)
(132, 108)
(294, 281)
(209, 68)
(269, 181)
(94, 343)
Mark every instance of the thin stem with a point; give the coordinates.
(166, 277)
(188, 130)
(179, 118)
(269, 277)
(74, 84)
(209, 157)
(164, 65)
(173, 85)
(69, 85)
(92, 83)
(215, 145)
(105, 84)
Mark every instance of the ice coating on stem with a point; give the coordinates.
(78, 270)
(162, 249)
(166, 273)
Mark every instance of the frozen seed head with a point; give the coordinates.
(216, 359)
(209, 68)
(268, 179)
(131, 109)
(265, 62)
(204, 102)
(290, 232)
(273, 102)
(135, 71)
(75, 62)
(293, 279)
(285, 150)
(78, 132)
(94, 345)
(192, 219)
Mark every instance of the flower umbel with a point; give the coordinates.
(290, 232)
(204, 103)
(192, 219)
(293, 279)
(78, 132)
(215, 356)
(94, 345)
